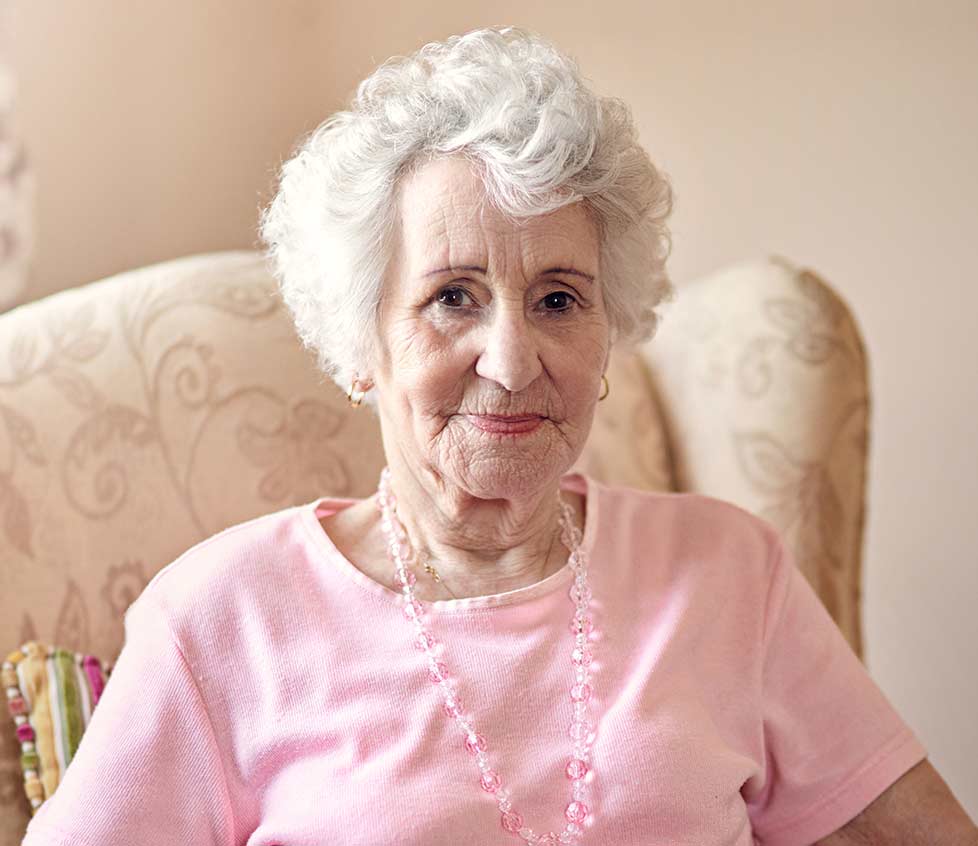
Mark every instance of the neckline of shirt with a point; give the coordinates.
(576, 482)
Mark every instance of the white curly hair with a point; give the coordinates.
(515, 106)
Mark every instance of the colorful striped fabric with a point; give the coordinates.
(51, 694)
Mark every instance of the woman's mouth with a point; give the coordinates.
(503, 425)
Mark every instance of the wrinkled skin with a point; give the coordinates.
(481, 315)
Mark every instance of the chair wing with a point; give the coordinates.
(762, 378)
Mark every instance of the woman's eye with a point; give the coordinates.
(558, 301)
(453, 297)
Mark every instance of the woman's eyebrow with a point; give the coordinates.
(475, 267)
(568, 270)
(454, 268)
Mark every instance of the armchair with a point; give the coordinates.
(145, 412)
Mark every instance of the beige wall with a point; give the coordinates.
(839, 134)
(154, 128)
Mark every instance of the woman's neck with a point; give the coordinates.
(478, 546)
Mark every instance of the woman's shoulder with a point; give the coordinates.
(700, 526)
(686, 504)
(214, 572)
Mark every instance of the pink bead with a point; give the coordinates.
(413, 609)
(438, 672)
(424, 641)
(407, 579)
(512, 821)
(581, 625)
(581, 692)
(549, 839)
(17, 706)
(453, 708)
(576, 812)
(576, 769)
(475, 743)
(489, 781)
(582, 657)
(580, 729)
(580, 593)
(25, 732)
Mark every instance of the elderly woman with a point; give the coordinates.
(489, 649)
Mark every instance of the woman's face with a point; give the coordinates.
(493, 338)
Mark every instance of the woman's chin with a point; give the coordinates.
(508, 477)
(490, 465)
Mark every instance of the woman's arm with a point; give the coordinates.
(918, 809)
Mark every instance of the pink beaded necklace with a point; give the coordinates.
(581, 729)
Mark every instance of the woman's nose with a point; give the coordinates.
(509, 355)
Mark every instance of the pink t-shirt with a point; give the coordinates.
(269, 693)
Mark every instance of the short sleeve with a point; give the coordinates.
(832, 740)
(148, 769)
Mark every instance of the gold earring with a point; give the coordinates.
(354, 396)
(607, 388)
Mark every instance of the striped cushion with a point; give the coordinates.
(50, 695)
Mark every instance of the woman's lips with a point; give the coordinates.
(505, 425)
